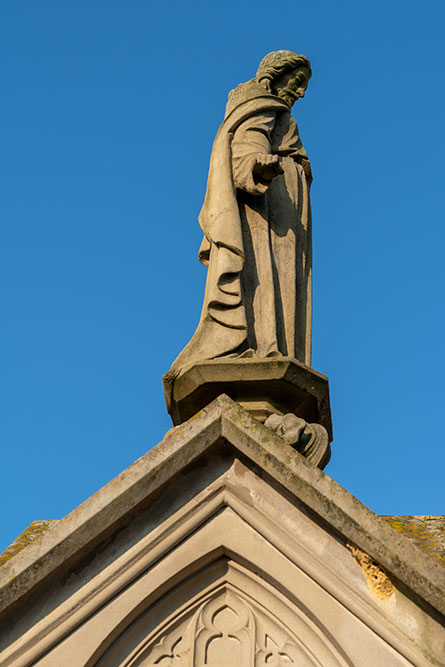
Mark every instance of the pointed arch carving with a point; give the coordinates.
(238, 620)
(225, 631)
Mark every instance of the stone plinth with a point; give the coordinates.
(261, 386)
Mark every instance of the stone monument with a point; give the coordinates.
(226, 545)
(253, 341)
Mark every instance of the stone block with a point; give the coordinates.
(261, 386)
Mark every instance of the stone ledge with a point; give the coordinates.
(427, 533)
(222, 422)
(33, 532)
(278, 385)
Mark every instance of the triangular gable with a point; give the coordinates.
(220, 491)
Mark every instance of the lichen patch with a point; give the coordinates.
(33, 532)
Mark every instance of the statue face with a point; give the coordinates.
(291, 85)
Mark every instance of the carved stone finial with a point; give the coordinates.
(311, 440)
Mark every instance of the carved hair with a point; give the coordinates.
(279, 62)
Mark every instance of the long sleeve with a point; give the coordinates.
(253, 136)
(288, 143)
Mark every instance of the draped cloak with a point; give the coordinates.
(257, 239)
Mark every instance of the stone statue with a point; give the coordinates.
(256, 220)
(253, 341)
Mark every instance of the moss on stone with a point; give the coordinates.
(33, 532)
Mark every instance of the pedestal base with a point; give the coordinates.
(261, 386)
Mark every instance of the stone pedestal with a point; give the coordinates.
(261, 386)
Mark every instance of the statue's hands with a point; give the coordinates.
(267, 167)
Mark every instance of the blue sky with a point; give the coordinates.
(108, 116)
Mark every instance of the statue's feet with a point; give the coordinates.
(247, 354)
(250, 353)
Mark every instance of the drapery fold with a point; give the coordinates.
(257, 238)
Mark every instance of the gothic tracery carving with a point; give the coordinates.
(226, 632)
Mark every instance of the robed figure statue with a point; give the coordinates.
(256, 220)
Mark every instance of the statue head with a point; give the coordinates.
(285, 74)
